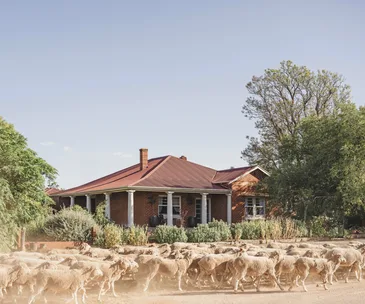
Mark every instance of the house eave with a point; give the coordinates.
(149, 189)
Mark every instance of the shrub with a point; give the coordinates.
(35, 231)
(135, 235)
(99, 240)
(323, 226)
(170, 234)
(250, 230)
(202, 233)
(278, 228)
(236, 231)
(70, 225)
(99, 216)
(223, 228)
(112, 235)
(8, 233)
(317, 226)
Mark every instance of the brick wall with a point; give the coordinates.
(238, 210)
(81, 201)
(119, 208)
(219, 206)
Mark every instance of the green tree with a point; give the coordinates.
(280, 99)
(322, 169)
(22, 182)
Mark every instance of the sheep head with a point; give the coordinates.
(85, 247)
(45, 265)
(309, 254)
(112, 257)
(338, 258)
(92, 272)
(276, 256)
(122, 265)
(69, 261)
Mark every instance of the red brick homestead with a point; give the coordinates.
(171, 188)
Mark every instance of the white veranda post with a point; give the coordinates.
(72, 201)
(88, 202)
(229, 208)
(169, 209)
(107, 205)
(130, 207)
(204, 208)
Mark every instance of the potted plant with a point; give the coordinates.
(153, 221)
(191, 221)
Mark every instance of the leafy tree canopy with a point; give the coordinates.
(22, 180)
(322, 168)
(280, 99)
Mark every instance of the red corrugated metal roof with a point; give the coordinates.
(225, 176)
(51, 191)
(166, 171)
(179, 173)
(122, 178)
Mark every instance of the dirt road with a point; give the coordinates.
(339, 293)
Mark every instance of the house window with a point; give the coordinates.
(176, 206)
(254, 207)
(249, 206)
(198, 210)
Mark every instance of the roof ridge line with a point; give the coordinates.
(194, 163)
(238, 168)
(152, 171)
(215, 174)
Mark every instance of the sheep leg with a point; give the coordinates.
(101, 290)
(179, 281)
(235, 285)
(347, 275)
(257, 281)
(113, 289)
(325, 280)
(303, 280)
(358, 271)
(84, 296)
(74, 295)
(198, 279)
(278, 275)
(108, 287)
(20, 290)
(273, 277)
(148, 280)
(32, 298)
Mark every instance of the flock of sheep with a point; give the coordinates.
(214, 265)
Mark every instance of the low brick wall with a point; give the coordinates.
(34, 246)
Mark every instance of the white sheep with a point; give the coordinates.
(324, 267)
(9, 274)
(56, 281)
(353, 260)
(255, 267)
(169, 268)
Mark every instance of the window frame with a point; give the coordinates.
(255, 207)
(174, 216)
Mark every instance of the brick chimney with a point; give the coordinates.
(143, 158)
(183, 157)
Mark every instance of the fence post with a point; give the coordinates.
(93, 235)
(22, 239)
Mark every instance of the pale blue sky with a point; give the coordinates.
(90, 82)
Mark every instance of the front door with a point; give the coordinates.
(198, 210)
